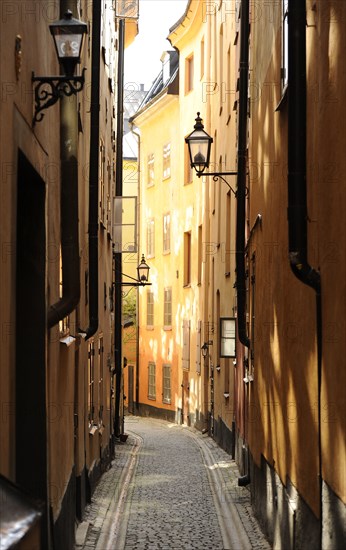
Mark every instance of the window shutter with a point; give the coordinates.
(198, 347)
(186, 345)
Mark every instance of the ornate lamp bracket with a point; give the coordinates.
(49, 89)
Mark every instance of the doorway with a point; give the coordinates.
(31, 429)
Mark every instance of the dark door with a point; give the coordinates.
(31, 431)
(130, 389)
(186, 398)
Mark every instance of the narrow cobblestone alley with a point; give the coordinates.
(169, 487)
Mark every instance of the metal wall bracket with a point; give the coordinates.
(49, 89)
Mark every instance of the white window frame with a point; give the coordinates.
(167, 309)
(166, 384)
(166, 236)
(166, 162)
(152, 380)
(151, 238)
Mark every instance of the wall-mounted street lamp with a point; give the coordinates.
(142, 276)
(199, 144)
(205, 348)
(68, 34)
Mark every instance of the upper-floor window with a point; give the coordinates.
(91, 384)
(167, 308)
(166, 161)
(166, 383)
(189, 70)
(151, 381)
(202, 57)
(150, 309)
(150, 167)
(64, 324)
(187, 258)
(284, 57)
(150, 238)
(187, 165)
(102, 194)
(101, 385)
(166, 233)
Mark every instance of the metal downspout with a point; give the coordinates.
(68, 207)
(241, 192)
(297, 187)
(94, 171)
(241, 176)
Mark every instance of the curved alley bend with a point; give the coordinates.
(168, 487)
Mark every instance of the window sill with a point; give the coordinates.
(151, 398)
(168, 327)
(67, 340)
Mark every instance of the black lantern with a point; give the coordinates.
(199, 144)
(68, 34)
(204, 349)
(143, 271)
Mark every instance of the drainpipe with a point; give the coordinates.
(241, 173)
(68, 209)
(241, 191)
(94, 172)
(297, 188)
(117, 255)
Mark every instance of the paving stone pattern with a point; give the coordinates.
(169, 504)
(172, 505)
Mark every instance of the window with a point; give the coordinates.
(150, 309)
(187, 259)
(166, 233)
(64, 324)
(150, 238)
(109, 195)
(227, 337)
(202, 58)
(186, 345)
(188, 74)
(166, 161)
(102, 197)
(284, 60)
(228, 90)
(91, 387)
(198, 346)
(151, 172)
(166, 384)
(200, 255)
(167, 309)
(187, 165)
(100, 373)
(221, 51)
(151, 381)
(228, 235)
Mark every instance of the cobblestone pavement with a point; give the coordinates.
(169, 487)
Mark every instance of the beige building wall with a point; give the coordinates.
(70, 430)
